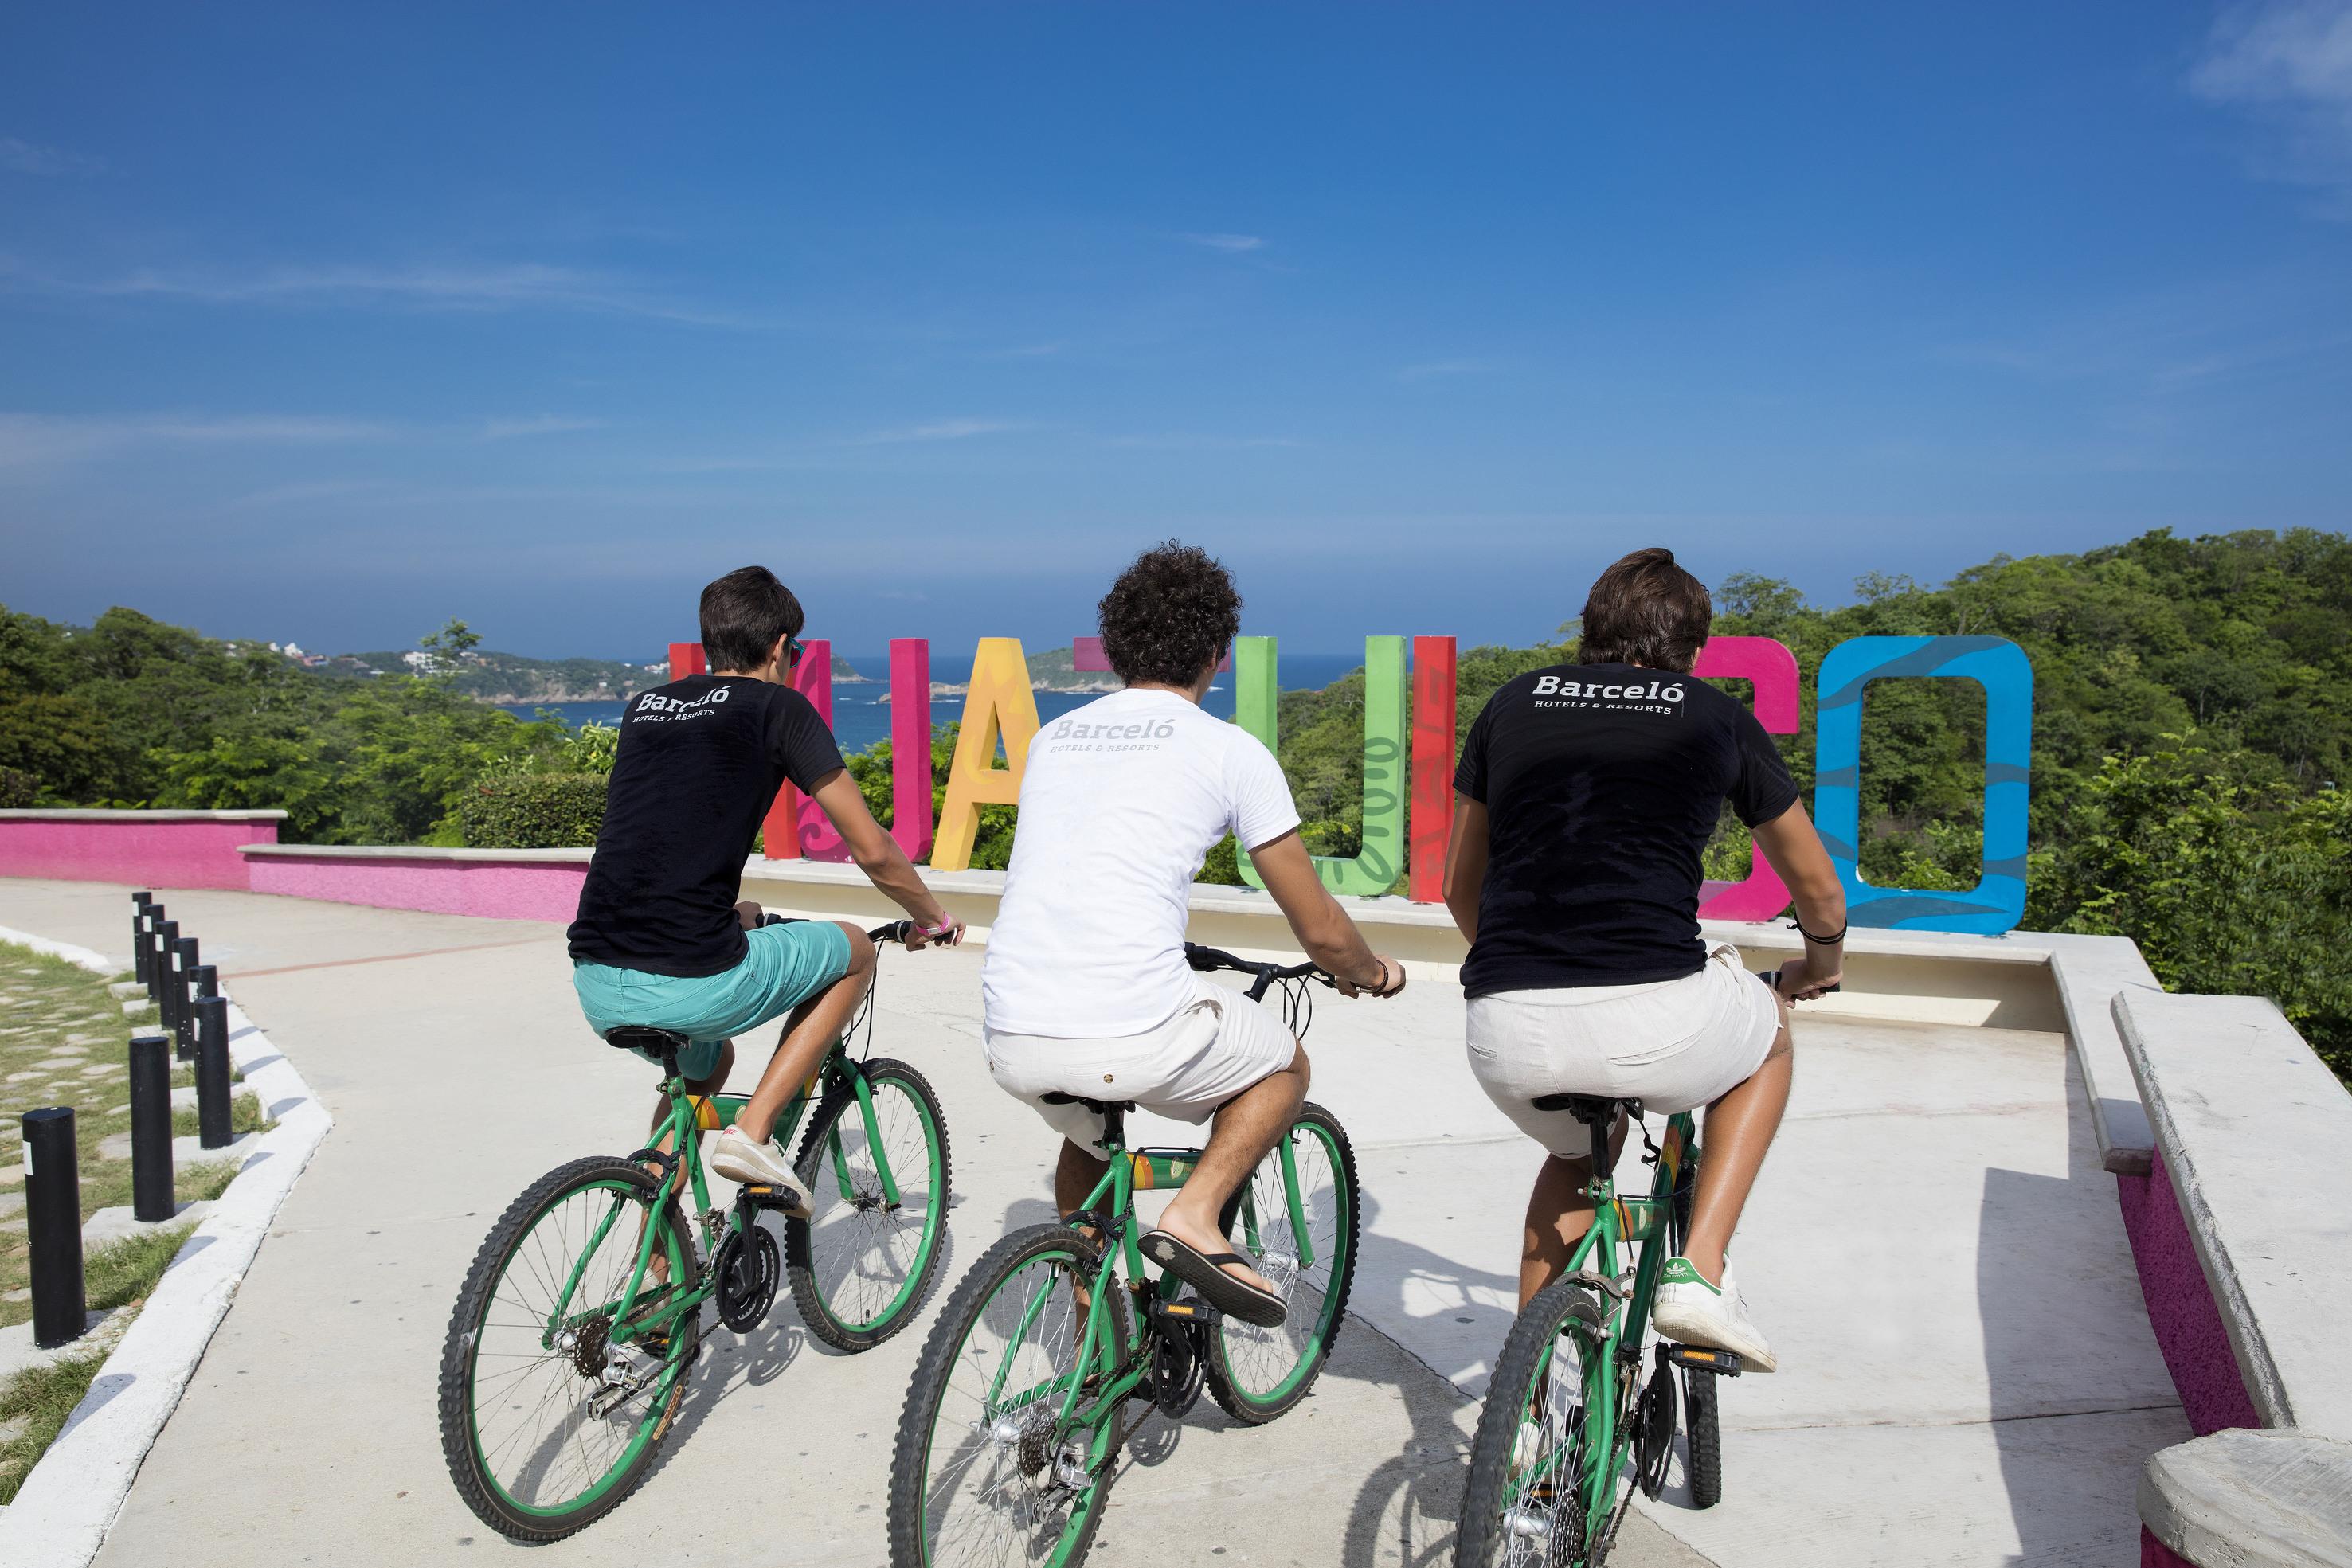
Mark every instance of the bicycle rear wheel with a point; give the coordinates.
(1536, 1468)
(862, 1261)
(986, 1469)
(546, 1423)
(1258, 1374)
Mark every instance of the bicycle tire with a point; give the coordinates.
(1705, 1438)
(810, 1293)
(1485, 1539)
(1234, 1342)
(459, 1404)
(909, 1517)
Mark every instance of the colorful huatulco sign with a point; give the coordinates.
(1409, 754)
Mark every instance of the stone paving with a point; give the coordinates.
(1969, 1375)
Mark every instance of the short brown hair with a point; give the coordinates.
(1645, 610)
(743, 613)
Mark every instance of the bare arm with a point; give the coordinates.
(1465, 865)
(1794, 849)
(878, 855)
(1322, 927)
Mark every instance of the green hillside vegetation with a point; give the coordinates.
(2193, 715)
(493, 677)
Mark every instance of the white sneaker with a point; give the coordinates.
(738, 1159)
(1689, 1311)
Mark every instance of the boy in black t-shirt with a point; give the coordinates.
(1583, 802)
(660, 939)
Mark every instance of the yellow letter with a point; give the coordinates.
(998, 700)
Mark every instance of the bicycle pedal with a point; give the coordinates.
(1699, 1358)
(1191, 1310)
(759, 1195)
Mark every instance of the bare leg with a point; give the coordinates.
(1740, 1129)
(808, 1034)
(1559, 1211)
(659, 1265)
(1075, 1175)
(1246, 1128)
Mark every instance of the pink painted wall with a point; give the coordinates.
(128, 847)
(2180, 1306)
(496, 890)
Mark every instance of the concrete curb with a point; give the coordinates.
(69, 1500)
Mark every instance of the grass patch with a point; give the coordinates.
(64, 1041)
(34, 1403)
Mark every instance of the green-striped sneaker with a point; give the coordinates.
(1689, 1311)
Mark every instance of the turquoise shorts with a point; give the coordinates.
(785, 966)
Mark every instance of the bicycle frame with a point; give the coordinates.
(689, 1114)
(1609, 1380)
(1131, 1171)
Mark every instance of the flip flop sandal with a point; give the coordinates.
(1202, 1270)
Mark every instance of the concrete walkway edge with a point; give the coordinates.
(67, 1503)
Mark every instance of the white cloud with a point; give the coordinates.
(1439, 369)
(537, 424)
(938, 430)
(2289, 63)
(25, 158)
(1232, 245)
(523, 285)
(33, 440)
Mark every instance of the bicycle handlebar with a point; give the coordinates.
(1207, 958)
(896, 931)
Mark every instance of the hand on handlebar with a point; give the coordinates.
(917, 936)
(1793, 981)
(1391, 982)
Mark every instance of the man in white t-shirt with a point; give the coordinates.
(1085, 987)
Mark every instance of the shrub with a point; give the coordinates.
(18, 789)
(534, 811)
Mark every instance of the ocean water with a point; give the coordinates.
(860, 717)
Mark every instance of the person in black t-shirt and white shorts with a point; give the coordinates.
(660, 939)
(1584, 800)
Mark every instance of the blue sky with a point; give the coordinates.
(331, 323)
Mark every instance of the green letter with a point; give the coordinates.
(1374, 870)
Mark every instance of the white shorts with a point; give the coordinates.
(1670, 1044)
(1215, 1047)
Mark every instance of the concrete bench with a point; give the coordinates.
(2253, 1139)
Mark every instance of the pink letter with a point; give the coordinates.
(1772, 668)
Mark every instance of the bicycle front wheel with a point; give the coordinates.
(862, 1261)
(987, 1469)
(1306, 1252)
(547, 1422)
(1539, 1484)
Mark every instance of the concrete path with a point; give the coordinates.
(1972, 1378)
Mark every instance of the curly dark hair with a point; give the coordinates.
(1168, 616)
(1645, 610)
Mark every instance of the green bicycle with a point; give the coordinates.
(1013, 1425)
(1566, 1433)
(576, 1328)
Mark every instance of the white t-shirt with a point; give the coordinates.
(1121, 803)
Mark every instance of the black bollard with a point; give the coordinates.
(155, 918)
(53, 1226)
(151, 1128)
(212, 1072)
(182, 979)
(166, 933)
(204, 980)
(139, 904)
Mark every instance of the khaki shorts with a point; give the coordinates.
(1214, 1047)
(1670, 1044)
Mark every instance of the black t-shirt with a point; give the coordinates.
(699, 763)
(1601, 784)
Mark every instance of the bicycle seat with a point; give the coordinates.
(1583, 1107)
(645, 1037)
(1099, 1107)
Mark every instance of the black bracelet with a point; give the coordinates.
(1821, 941)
